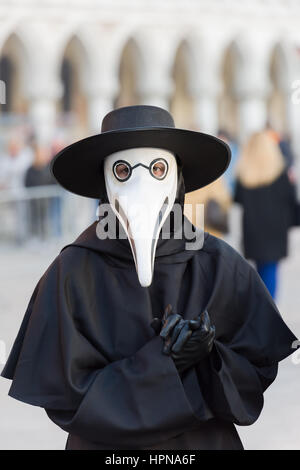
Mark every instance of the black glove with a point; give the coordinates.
(199, 344)
(169, 327)
(187, 341)
(174, 329)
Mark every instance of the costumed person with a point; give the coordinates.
(269, 201)
(145, 342)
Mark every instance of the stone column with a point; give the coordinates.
(100, 79)
(42, 114)
(99, 104)
(252, 112)
(293, 118)
(155, 84)
(206, 112)
(157, 89)
(292, 93)
(252, 84)
(204, 64)
(42, 85)
(155, 98)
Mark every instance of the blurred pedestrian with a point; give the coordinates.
(284, 142)
(216, 200)
(55, 203)
(268, 198)
(229, 176)
(38, 175)
(286, 150)
(13, 166)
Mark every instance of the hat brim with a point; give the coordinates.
(79, 167)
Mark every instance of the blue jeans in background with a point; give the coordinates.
(268, 273)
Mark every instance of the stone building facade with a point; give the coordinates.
(215, 64)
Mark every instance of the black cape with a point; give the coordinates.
(87, 354)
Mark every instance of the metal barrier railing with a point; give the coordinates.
(43, 212)
(36, 192)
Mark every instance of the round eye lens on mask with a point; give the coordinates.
(122, 170)
(159, 168)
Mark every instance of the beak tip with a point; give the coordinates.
(145, 281)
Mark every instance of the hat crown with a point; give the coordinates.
(132, 117)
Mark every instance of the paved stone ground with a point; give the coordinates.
(27, 427)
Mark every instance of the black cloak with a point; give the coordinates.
(87, 354)
(270, 242)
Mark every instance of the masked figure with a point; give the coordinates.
(134, 339)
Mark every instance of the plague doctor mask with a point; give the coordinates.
(141, 185)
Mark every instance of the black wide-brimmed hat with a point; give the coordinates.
(79, 167)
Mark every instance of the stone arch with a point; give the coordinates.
(277, 105)
(228, 100)
(181, 102)
(129, 71)
(73, 69)
(14, 61)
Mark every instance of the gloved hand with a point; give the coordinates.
(168, 327)
(187, 341)
(174, 329)
(199, 344)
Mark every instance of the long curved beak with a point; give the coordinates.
(142, 227)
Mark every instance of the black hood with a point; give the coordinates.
(172, 250)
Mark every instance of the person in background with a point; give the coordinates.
(13, 165)
(55, 203)
(284, 142)
(229, 176)
(38, 175)
(286, 150)
(268, 198)
(217, 201)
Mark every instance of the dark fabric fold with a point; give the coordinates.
(234, 388)
(86, 351)
(141, 402)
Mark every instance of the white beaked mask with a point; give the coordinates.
(141, 185)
